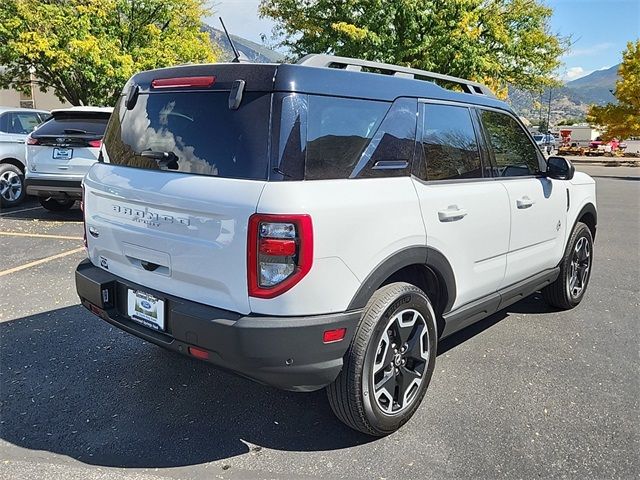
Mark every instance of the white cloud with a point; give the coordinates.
(572, 73)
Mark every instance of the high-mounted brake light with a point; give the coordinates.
(279, 253)
(95, 143)
(183, 82)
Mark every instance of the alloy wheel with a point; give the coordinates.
(579, 267)
(401, 360)
(10, 186)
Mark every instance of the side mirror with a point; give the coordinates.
(560, 168)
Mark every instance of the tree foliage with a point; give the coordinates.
(497, 42)
(622, 120)
(85, 50)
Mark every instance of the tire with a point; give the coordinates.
(385, 323)
(12, 189)
(56, 205)
(565, 293)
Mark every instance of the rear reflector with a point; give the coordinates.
(336, 335)
(198, 353)
(272, 246)
(183, 82)
(96, 310)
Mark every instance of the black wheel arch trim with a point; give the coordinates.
(587, 208)
(417, 255)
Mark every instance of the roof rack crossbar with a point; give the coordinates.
(354, 64)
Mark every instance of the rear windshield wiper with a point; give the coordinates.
(166, 160)
(77, 130)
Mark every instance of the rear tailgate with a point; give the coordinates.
(180, 234)
(181, 170)
(68, 143)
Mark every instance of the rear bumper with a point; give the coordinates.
(43, 187)
(284, 352)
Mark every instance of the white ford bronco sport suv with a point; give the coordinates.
(312, 227)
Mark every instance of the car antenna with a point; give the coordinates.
(236, 58)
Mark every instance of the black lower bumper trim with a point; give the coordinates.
(54, 188)
(285, 352)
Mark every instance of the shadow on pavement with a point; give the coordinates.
(35, 212)
(73, 385)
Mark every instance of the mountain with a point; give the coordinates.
(253, 51)
(569, 101)
(600, 78)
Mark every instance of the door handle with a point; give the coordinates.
(524, 202)
(451, 214)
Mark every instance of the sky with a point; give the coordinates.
(599, 29)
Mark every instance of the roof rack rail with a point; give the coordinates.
(354, 64)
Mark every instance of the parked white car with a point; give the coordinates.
(314, 227)
(15, 125)
(61, 151)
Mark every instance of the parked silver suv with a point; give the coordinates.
(15, 125)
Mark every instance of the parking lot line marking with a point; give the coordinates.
(18, 211)
(42, 260)
(39, 235)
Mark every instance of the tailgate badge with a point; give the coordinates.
(94, 232)
(104, 263)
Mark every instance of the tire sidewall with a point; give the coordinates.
(581, 231)
(5, 203)
(382, 422)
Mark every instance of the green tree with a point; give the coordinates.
(85, 50)
(497, 42)
(622, 120)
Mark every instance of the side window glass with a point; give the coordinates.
(289, 136)
(514, 153)
(390, 151)
(4, 127)
(338, 131)
(449, 144)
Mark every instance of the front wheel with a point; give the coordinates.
(390, 361)
(575, 270)
(56, 205)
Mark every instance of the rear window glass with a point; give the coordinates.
(73, 126)
(192, 133)
(338, 130)
(449, 144)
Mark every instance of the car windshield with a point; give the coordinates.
(537, 138)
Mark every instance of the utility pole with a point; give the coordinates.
(546, 134)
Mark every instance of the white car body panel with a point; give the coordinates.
(538, 223)
(354, 221)
(476, 244)
(40, 162)
(194, 227)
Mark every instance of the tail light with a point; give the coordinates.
(279, 253)
(32, 141)
(84, 220)
(95, 143)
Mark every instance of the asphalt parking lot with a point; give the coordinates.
(527, 393)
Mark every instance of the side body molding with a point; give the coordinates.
(418, 255)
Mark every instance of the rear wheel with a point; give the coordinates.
(56, 205)
(575, 270)
(389, 364)
(12, 189)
